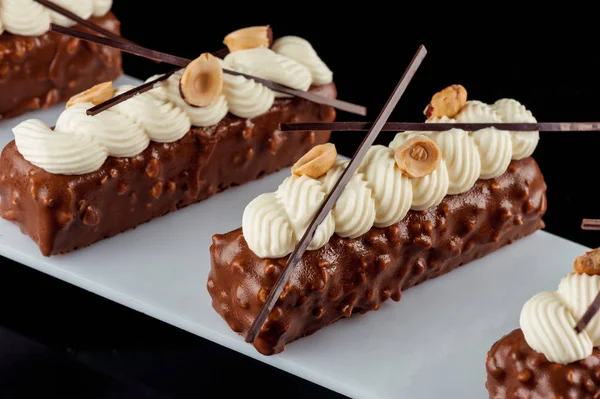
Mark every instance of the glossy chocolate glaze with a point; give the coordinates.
(62, 213)
(37, 72)
(515, 370)
(349, 276)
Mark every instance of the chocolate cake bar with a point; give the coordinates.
(356, 275)
(39, 71)
(65, 212)
(515, 370)
(548, 357)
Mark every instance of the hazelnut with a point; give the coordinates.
(96, 95)
(201, 83)
(248, 38)
(447, 102)
(316, 162)
(589, 263)
(418, 156)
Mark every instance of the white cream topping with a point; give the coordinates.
(548, 320)
(380, 195)
(159, 115)
(265, 63)
(163, 121)
(168, 90)
(301, 51)
(58, 152)
(29, 18)
(512, 111)
(24, 17)
(354, 212)
(101, 7)
(391, 189)
(120, 135)
(81, 8)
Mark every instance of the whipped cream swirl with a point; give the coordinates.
(302, 51)
(29, 18)
(548, 320)
(379, 194)
(159, 115)
(267, 64)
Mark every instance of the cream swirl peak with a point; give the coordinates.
(159, 115)
(548, 320)
(380, 195)
(29, 18)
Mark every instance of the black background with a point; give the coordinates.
(66, 334)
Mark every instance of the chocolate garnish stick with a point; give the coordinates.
(84, 22)
(590, 224)
(128, 94)
(441, 127)
(331, 199)
(588, 315)
(183, 62)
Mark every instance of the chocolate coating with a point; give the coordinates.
(62, 213)
(349, 276)
(515, 370)
(37, 72)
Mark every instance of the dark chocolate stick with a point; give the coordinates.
(81, 21)
(327, 206)
(183, 62)
(440, 127)
(128, 94)
(590, 224)
(588, 315)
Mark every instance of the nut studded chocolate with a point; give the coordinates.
(62, 213)
(348, 276)
(37, 72)
(515, 370)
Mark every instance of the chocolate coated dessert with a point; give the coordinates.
(348, 276)
(37, 72)
(515, 370)
(62, 213)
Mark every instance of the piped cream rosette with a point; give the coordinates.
(201, 95)
(381, 193)
(548, 319)
(29, 18)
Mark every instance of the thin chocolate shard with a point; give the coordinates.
(441, 127)
(95, 110)
(81, 21)
(333, 196)
(590, 224)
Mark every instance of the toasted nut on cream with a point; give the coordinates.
(96, 95)
(247, 38)
(447, 102)
(316, 162)
(201, 83)
(418, 156)
(588, 263)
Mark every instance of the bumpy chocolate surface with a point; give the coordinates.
(349, 276)
(515, 370)
(37, 72)
(62, 213)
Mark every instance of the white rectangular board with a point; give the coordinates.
(431, 344)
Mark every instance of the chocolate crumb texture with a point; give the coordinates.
(515, 370)
(37, 72)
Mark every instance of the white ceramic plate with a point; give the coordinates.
(431, 344)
